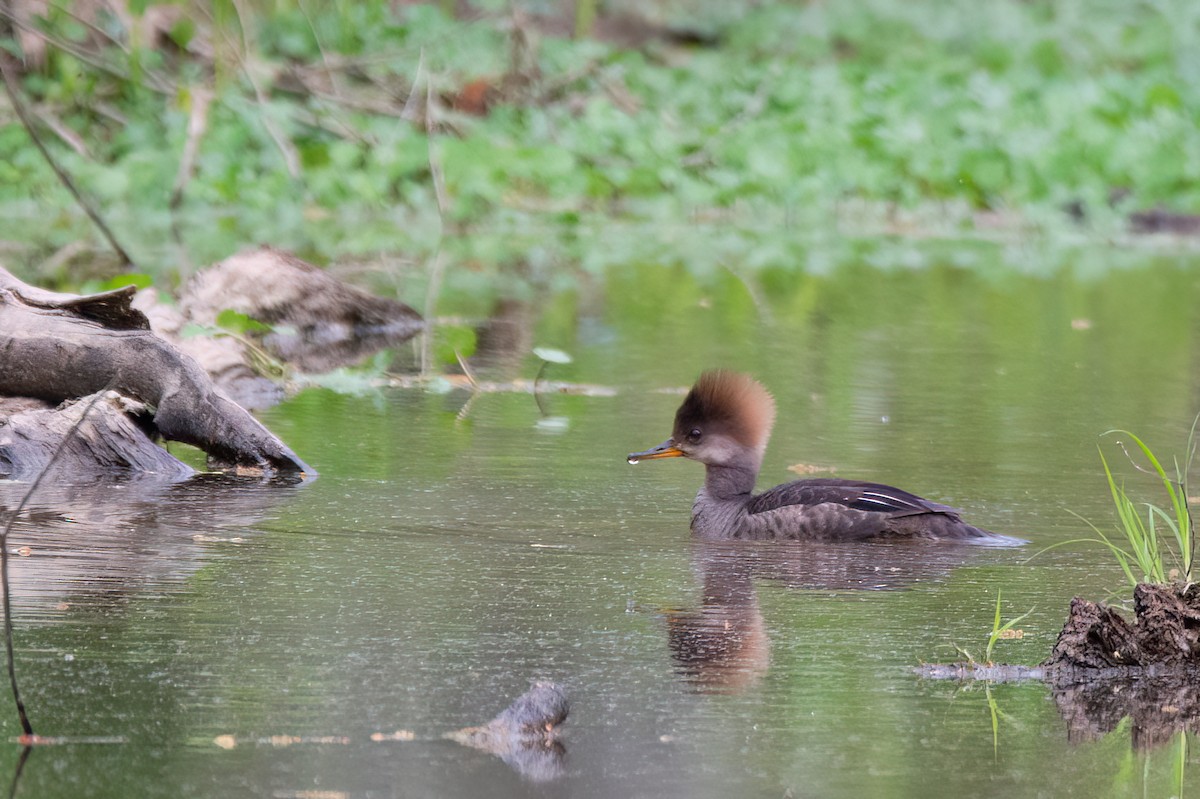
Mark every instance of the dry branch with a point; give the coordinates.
(7, 67)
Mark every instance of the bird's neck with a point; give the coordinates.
(733, 482)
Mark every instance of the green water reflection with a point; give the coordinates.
(441, 562)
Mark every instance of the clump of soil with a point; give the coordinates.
(1164, 635)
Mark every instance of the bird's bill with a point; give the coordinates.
(667, 449)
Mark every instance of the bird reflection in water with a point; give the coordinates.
(722, 646)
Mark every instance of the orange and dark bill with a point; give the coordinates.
(667, 449)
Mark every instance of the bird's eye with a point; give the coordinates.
(694, 435)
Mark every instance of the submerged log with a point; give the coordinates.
(525, 734)
(57, 347)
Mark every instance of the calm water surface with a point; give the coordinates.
(445, 558)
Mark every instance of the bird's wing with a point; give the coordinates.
(860, 496)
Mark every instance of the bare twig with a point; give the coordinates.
(70, 137)
(201, 97)
(465, 410)
(287, 149)
(431, 297)
(63, 255)
(93, 27)
(1138, 467)
(5, 590)
(410, 105)
(435, 162)
(14, 95)
(537, 395)
(760, 303)
(467, 372)
(154, 80)
(330, 74)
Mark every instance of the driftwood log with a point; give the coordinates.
(60, 347)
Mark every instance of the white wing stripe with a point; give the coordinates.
(889, 500)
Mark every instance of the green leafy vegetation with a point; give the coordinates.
(1156, 544)
(999, 630)
(1145, 560)
(338, 130)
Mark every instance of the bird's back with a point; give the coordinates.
(831, 509)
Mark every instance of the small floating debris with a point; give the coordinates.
(280, 741)
(520, 386)
(811, 468)
(551, 355)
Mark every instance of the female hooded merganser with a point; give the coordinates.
(725, 422)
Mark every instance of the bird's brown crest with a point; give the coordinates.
(733, 402)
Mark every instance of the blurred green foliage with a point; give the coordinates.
(802, 117)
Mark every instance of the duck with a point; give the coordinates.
(725, 422)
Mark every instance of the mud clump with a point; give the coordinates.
(1164, 635)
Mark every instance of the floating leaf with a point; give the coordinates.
(552, 355)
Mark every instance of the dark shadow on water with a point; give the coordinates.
(108, 539)
(1158, 709)
(722, 646)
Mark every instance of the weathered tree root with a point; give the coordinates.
(1104, 667)
(57, 347)
(107, 441)
(1098, 643)
(1165, 634)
